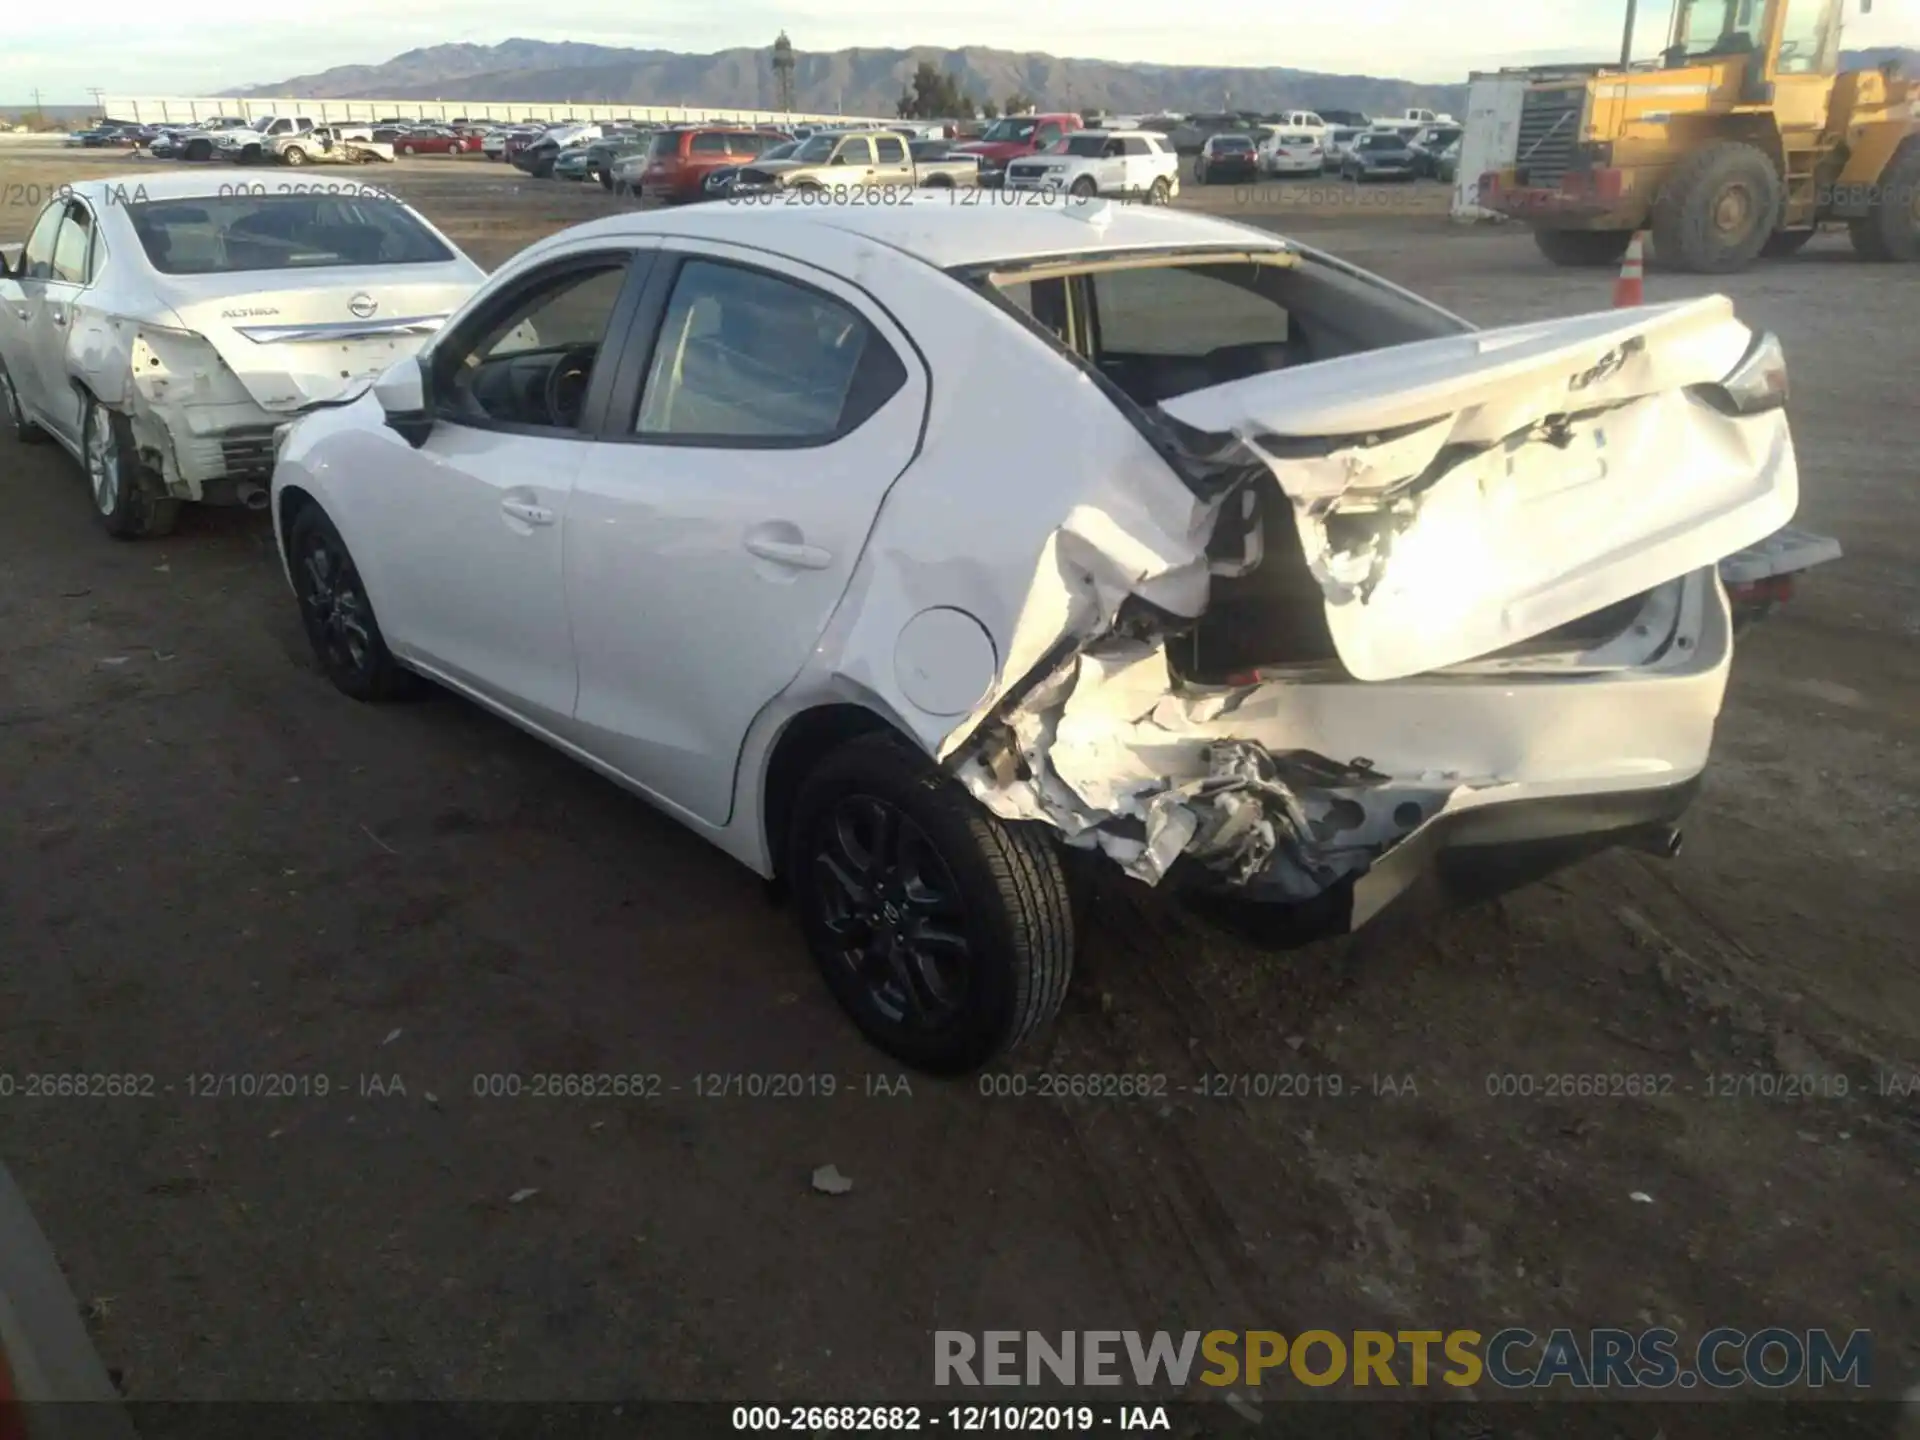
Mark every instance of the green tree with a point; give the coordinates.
(1018, 103)
(934, 95)
(990, 109)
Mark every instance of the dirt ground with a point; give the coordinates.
(210, 862)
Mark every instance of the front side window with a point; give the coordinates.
(747, 356)
(530, 359)
(74, 246)
(857, 151)
(217, 235)
(1088, 146)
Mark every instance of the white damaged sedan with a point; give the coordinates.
(892, 549)
(161, 327)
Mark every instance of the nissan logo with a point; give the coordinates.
(363, 305)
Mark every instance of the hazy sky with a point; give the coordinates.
(142, 48)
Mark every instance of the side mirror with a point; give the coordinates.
(402, 393)
(9, 261)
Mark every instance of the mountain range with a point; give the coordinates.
(866, 82)
(852, 81)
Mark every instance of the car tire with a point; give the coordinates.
(127, 496)
(405, 150)
(294, 155)
(1160, 192)
(1086, 187)
(13, 417)
(883, 845)
(1716, 211)
(198, 150)
(1582, 249)
(1892, 231)
(337, 615)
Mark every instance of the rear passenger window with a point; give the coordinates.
(891, 150)
(711, 142)
(74, 245)
(747, 357)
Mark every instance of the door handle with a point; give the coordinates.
(523, 510)
(789, 552)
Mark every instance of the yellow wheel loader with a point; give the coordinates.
(1740, 141)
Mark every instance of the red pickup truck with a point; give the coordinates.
(1014, 136)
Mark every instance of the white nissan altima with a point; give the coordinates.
(160, 327)
(893, 548)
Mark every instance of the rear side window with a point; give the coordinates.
(890, 150)
(73, 249)
(712, 142)
(748, 357)
(665, 146)
(36, 260)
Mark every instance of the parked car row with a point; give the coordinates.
(300, 139)
(1307, 146)
(725, 503)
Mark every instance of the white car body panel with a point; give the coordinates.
(204, 366)
(978, 618)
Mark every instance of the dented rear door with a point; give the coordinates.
(1459, 495)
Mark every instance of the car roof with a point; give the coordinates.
(156, 185)
(1134, 133)
(945, 233)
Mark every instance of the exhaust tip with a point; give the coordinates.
(1664, 842)
(255, 497)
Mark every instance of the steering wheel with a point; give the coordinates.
(566, 388)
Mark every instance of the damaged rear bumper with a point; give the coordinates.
(1475, 855)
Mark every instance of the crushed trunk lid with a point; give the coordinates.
(1460, 495)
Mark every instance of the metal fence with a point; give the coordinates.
(170, 109)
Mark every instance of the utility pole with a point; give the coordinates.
(1626, 40)
(93, 90)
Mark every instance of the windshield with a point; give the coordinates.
(783, 151)
(1232, 142)
(262, 123)
(1013, 128)
(210, 235)
(1094, 145)
(1341, 137)
(1380, 142)
(816, 151)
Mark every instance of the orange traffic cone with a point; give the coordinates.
(1629, 290)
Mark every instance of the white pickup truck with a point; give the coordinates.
(330, 145)
(1139, 164)
(247, 145)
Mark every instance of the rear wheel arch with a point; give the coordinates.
(803, 743)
